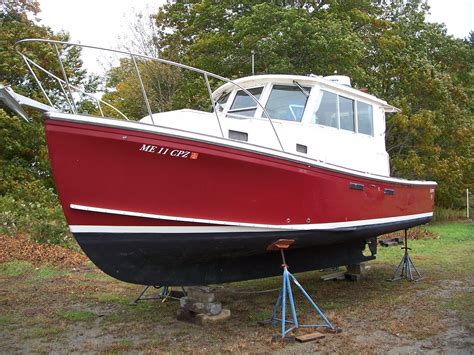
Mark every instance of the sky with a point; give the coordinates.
(102, 22)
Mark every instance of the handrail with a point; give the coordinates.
(61, 81)
(205, 73)
(74, 108)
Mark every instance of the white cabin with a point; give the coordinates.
(318, 118)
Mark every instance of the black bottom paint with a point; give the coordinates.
(210, 258)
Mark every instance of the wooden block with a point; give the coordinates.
(310, 337)
(204, 319)
(334, 276)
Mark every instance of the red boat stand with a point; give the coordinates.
(286, 291)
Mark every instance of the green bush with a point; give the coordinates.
(448, 214)
(42, 222)
(28, 202)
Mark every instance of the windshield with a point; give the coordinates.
(287, 102)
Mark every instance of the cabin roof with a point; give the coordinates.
(255, 80)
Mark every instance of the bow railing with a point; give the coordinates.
(68, 90)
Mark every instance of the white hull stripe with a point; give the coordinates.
(165, 229)
(220, 226)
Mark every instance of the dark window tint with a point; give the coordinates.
(365, 118)
(346, 113)
(286, 103)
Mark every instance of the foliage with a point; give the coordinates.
(160, 81)
(28, 202)
(446, 214)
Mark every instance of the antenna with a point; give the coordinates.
(253, 61)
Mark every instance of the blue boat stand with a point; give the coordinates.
(404, 269)
(287, 293)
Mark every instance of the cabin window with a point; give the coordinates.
(365, 119)
(346, 114)
(326, 109)
(221, 101)
(286, 103)
(244, 104)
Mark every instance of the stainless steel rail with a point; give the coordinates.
(134, 56)
(29, 62)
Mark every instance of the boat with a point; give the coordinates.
(189, 197)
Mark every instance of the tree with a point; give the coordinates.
(425, 72)
(28, 202)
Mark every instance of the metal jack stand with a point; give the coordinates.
(287, 291)
(166, 292)
(404, 269)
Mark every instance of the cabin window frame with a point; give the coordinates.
(230, 101)
(355, 101)
(269, 91)
(372, 135)
(314, 110)
(354, 117)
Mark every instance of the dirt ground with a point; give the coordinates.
(48, 304)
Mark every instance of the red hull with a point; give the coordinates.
(97, 166)
(119, 173)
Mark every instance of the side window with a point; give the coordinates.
(365, 119)
(326, 111)
(244, 104)
(286, 103)
(221, 101)
(346, 113)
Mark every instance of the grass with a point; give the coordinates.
(15, 268)
(42, 332)
(453, 241)
(463, 304)
(19, 268)
(448, 214)
(78, 316)
(7, 319)
(97, 275)
(454, 231)
(119, 347)
(49, 272)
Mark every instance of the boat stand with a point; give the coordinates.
(166, 293)
(406, 267)
(286, 292)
